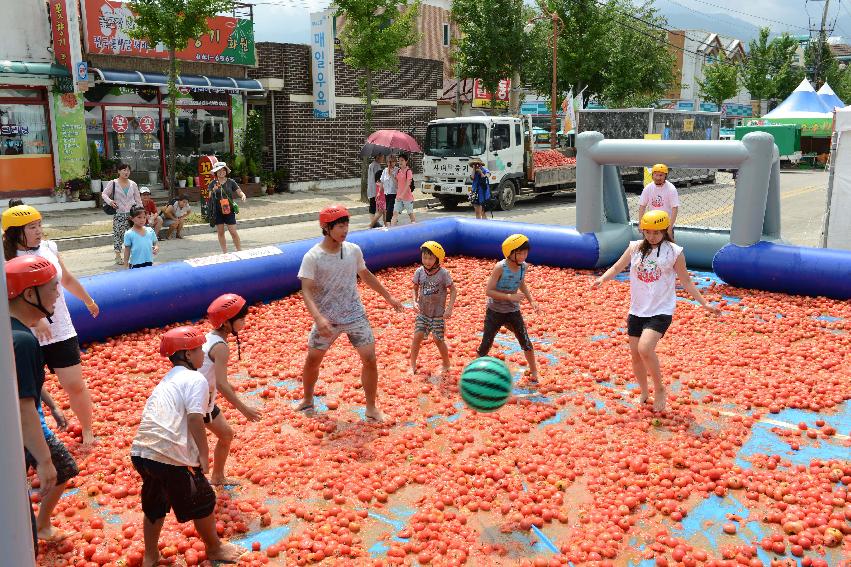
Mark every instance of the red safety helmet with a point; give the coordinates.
(331, 213)
(25, 272)
(224, 308)
(181, 338)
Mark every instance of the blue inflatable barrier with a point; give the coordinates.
(787, 269)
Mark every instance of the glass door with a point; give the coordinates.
(134, 138)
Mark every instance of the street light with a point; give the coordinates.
(556, 21)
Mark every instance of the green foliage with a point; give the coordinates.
(94, 161)
(769, 71)
(239, 167)
(720, 81)
(493, 44)
(251, 145)
(825, 64)
(604, 48)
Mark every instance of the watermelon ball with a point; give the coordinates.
(486, 384)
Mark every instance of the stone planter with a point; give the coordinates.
(96, 185)
(181, 183)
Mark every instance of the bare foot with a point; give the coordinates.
(642, 399)
(226, 553)
(89, 439)
(412, 370)
(223, 481)
(150, 561)
(659, 400)
(374, 414)
(52, 535)
(444, 371)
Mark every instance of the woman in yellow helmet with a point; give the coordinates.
(22, 235)
(655, 264)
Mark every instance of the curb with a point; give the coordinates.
(81, 242)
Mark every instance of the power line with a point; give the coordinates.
(725, 8)
(740, 25)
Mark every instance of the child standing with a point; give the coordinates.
(227, 316)
(329, 283)
(380, 203)
(660, 195)
(506, 289)
(655, 264)
(431, 280)
(404, 191)
(140, 241)
(170, 450)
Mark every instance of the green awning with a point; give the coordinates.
(33, 68)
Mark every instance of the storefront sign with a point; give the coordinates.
(108, 22)
(482, 98)
(14, 130)
(71, 146)
(119, 123)
(64, 25)
(322, 59)
(205, 165)
(146, 124)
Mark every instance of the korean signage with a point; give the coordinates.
(205, 177)
(64, 30)
(322, 59)
(108, 24)
(72, 149)
(482, 98)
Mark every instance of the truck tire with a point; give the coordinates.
(506, 195)
(448, 202)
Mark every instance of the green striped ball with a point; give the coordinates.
(486, 384)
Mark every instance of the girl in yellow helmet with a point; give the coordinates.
(655, 264)
(22, 235)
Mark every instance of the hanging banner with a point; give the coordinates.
(64, 30)
(108, 24)
(482, 98)
(71, 146)
(322, 59)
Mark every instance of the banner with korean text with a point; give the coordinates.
(322, 60)
(482, 98)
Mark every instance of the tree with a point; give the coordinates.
(821, 67)
(493, 44)
(786, 74)
(720, 81)
(616, 51)
(373, 33)
(769, 70)
(174, 23)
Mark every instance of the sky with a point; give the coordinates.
(287, 21)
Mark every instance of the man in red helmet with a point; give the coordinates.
(32, 289)
(329, 283)
(170, 450)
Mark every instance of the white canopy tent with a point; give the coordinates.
(836, 231)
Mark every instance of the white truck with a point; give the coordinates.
(504, 143)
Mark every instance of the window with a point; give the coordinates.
(500, 137)
(23, 124)
(455, 140)
(518, 135)
(446, 36)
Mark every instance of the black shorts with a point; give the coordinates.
(142, 265)
(213, 414)
(659, 323)
(229, 218)
(513, 321)
(372, 206)
(169, 487)
(63, 462)
(63, 354)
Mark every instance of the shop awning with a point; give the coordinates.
(161, 80)
(33, 68)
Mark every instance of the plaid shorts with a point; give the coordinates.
(433, 325)
(359, 333)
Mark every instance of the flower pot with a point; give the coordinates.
(181, 183)
(262, 189)
(75, 196)
(96, 185)
(152, 177)
(256, 179)
(189, 181)
(60, 197)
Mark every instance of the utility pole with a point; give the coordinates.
(821, 42)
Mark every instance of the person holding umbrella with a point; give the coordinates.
(388, 181)
(224, 210)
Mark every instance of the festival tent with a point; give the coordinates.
(805, 107)
(829, 97)
(836, 232)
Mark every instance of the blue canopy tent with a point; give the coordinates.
(829, 97)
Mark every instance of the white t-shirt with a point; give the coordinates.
(163, 433)
(335, 281)
(652, 280)
(208, 369)
(388, 180)
(664, 197)
(62, 328)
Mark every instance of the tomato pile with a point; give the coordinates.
(551, 158)
(581, 466)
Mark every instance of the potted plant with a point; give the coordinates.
(239, 169)
(75, 186)
(282, 177)
(253, 170)
(267, 179)
(94, 168)
(109, 170)
(60, 192)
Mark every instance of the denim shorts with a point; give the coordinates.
(403, 207)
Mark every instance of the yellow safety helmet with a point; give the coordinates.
(435, 248)
(513, 243)
(20, 216)
(660, 167)
(655, 220)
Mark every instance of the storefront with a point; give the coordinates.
(26, 163)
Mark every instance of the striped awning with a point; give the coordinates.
(161, 80)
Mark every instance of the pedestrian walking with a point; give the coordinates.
(373, 175)
(121, 193)
(388, 181)
(222, 207)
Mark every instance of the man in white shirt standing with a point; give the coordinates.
(170, 450)
(660, 195)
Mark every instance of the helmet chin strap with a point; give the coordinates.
(48, 314)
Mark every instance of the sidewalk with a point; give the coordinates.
(92, 227)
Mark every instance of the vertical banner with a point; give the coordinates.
(65, 32)
(322, 59)
(237, 111)
(71, 147)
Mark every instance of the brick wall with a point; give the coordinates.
(325, 149)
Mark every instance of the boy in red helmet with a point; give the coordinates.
(227, 316)
(329, 273)
(32, 289)
(170, 450)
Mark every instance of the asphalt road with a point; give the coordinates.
(803, 196)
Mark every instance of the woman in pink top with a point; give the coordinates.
(404, 191)
(121, 193)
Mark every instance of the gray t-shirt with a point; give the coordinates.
(374, 167)
(433, 289)
(335, 281)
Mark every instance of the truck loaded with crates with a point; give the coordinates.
(636, 123)
(506, 145)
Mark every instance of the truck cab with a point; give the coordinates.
(450, 144)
